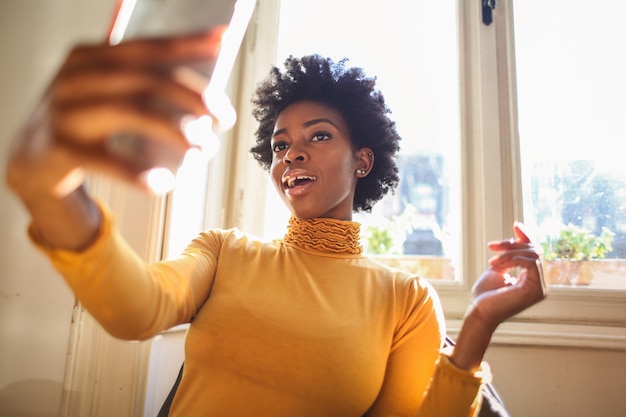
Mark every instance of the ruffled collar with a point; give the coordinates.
(324, 235)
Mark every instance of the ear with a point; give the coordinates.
(365, 162)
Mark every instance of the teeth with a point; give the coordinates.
(291, 181)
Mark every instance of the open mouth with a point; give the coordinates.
(292, 182)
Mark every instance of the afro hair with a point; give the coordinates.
(353, 94)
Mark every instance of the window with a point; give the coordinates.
(571, 101)
(489, 159)
(420, 82)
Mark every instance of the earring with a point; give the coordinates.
(360, 171)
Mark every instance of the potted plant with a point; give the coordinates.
(384, 238)
(569, 255)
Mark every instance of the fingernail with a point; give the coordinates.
(521, 226)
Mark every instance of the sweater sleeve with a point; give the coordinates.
(131, 299)
(453, 392)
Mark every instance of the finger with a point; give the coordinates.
(511, 244)
(135, 139)
(92, 124)
(144, 53)
(96, 161)
(532, 280)
(106, 84)
(513, 262)
(533, 269)
(505, 257)
(57, 170)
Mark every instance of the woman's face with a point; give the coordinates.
(314, 163)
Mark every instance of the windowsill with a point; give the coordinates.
(556, 335)
(601, 303)
(603, 274)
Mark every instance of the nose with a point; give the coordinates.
(294, 154)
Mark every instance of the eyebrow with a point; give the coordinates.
(307, 124)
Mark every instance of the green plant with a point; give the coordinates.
(577, 244)
(379, 240)
(384, 236)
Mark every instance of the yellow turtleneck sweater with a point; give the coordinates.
(304, 326)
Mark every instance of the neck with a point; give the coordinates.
(324, 235)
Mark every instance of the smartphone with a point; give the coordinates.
(134, 19)
(165, 18)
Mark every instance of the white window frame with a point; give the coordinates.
(600, 308)
(491, 179)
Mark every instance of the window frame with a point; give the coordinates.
(572, 306)
(491, 183)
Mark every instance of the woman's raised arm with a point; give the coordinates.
(113, 109)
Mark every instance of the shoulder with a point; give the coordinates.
(217, 239)
(405, 285)
(397, 275)
(412, 288)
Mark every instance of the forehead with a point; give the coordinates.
(301, 112)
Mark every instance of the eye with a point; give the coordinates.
(279, 146)
(320, 136)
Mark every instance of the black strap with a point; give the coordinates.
(165, 408)
(492, 405)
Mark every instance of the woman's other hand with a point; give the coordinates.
(498, 296)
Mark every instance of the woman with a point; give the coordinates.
(304, 326)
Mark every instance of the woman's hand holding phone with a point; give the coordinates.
(116, 109)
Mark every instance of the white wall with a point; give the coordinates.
(35, 305)
(560, 382)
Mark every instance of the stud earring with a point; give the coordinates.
(360, 171)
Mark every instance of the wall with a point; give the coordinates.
(35, 305)
(559, 382)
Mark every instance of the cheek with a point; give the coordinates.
(276, 175)
(344, 173)
(350, 165)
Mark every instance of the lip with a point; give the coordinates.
(299, 189)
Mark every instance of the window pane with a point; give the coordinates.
(419, 78)
(572, 101)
